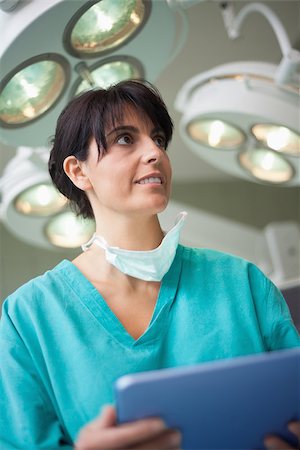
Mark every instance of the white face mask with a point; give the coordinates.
(149, 265)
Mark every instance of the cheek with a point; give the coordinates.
(102, 183)
(168, 167)
(114, 178)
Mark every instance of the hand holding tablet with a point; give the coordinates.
(230, 404)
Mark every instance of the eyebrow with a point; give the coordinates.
(133, 129)
(123, 128)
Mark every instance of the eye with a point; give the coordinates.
(124, 139)
(160, 141)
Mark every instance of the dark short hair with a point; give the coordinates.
(88, 116)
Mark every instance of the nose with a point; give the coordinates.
(151, 153)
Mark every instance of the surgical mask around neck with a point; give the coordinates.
(148, 265)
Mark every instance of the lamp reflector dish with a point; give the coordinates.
(31, 90)
(266, 165)
(67, 230)
(40, 200)
(104, 26)
(110, 73)
(277, 137)
(215, 133)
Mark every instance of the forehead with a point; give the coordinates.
(129, 115)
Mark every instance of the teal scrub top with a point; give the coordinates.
(62, 348)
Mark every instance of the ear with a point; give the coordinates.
(75, 170)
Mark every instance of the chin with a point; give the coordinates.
(159, 207)
(151, 205)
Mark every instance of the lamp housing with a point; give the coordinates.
(242, 94)
(25, 34)
(26, 170)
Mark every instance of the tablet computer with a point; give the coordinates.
(228, 404)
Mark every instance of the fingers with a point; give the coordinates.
(167, 440)
(275, 443)
(108, 417)
(130, 434)
(294, 427)
(103, 433)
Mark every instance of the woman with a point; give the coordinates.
(134, 300)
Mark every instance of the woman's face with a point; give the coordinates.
(134, 176)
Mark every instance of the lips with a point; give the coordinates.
(151, 178)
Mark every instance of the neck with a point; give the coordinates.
(130, 233)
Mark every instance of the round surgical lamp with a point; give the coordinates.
(231, 108)
(106, 72)
(216, 133)
(25, 35)
(42, 199)
(102, 26)
(266, 165)
(32, 89)
(277, 137)
(29, 201)
(66, 230)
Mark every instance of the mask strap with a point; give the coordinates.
(100, 241)
(88, 244)
(181, 217)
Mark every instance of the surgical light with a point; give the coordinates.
(250, 109)
(69, 231)
(266, 165)
(32, 89)
(31, 207)
(40, 200)
(24, 37)
(104, 26)
(216, 133)
(28, 197)
(108, 72)
(278, 138)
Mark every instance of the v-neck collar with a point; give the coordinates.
(90, 297)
